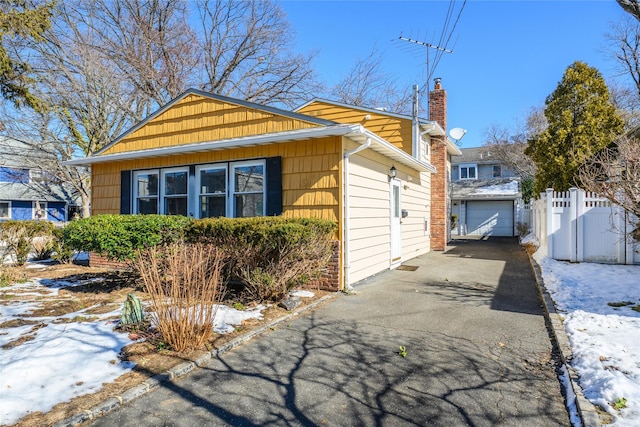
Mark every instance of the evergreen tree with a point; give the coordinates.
(22, 22)
(581, 122)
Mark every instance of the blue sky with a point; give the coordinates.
(507, 55)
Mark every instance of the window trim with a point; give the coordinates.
(8, 202)
(199, 194)
(162, 191)
(231, 207)
(134, 184)
(467, 166)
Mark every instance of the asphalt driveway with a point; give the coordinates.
(477, 353)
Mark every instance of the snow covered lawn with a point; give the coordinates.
(48, 358)
(600, 306)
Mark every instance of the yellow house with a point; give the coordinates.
(205, 155)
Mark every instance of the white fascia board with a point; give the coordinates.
(320, 132)
(432, 128)
(357, 133)
(389, 150)
(453, 149)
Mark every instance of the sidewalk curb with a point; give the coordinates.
(586, 409)
(182, 369)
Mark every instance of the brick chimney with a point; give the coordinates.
(440, 180)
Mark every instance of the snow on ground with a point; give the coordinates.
(595, 302)
(65, 360)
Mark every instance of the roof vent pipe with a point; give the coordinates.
(415, 126)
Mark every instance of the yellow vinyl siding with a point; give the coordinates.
(200, 119)
(310, 175)
(394, 129)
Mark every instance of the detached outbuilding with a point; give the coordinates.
(205, 155)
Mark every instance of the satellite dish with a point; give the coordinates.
(457, 133)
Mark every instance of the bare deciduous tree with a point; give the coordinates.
(614, 173)
(365, 84)
(107, 64)
(625, 41)
(247, 53)
(90, 92)
(508, 145)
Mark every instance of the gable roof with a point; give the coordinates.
(433, 128)
(481, 155)
(226, 99)
(423, 121)
(45, 193)
(22, 154)
(357, 133)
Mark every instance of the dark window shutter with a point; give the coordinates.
(125, 192)
(274, 186)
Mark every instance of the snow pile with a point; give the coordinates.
(596, 301)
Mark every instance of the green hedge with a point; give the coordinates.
(118, 237)
(274, 232)
(270, 255)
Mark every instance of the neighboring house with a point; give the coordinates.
(206, 155)
(485, 194)
(26, 190)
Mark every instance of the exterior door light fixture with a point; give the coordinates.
(392, 172)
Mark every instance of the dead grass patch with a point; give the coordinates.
(102, 291)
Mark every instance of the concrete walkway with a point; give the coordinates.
(477, 354)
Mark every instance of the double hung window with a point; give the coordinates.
(146, 192)
(175, 191)
(468, 172)
(248, 190)
(213, 190)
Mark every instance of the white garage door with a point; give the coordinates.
(490, 218)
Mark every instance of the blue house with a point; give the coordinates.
(27, 190)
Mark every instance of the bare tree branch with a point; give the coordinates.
(630, 6)
(614, 173)
(247, 53)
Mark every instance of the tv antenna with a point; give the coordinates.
(428, 46)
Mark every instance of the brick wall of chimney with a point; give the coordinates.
(439, 181)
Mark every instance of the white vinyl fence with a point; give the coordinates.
(578, 226)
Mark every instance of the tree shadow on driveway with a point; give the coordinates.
(316, 372)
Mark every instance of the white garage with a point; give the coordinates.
(489, 217)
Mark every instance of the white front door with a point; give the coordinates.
(396, 241)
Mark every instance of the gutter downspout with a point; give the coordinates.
(345, 231)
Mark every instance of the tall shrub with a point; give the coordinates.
(185, 287)
(270, 255)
